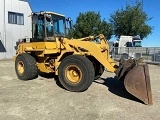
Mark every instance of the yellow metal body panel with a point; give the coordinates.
(60, 48)
(41, 47)
(41, 50)
(46, 47)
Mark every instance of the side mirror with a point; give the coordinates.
(69, 23)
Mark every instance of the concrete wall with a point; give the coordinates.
(10, 33)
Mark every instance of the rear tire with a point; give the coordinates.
(98, 71)
(25, 67)
(76, 73)
(98, 67)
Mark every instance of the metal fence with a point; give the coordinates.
(150, 54)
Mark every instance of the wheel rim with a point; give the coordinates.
(20, 67)
(73, 74)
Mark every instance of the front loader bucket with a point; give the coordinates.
(136, 80)
(137, 83)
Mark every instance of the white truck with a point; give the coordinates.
(128, 46)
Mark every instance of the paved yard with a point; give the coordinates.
(45, 99)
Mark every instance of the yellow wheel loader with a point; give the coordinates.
(76, 62)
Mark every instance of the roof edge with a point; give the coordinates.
(28, 3)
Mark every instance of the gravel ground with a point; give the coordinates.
(45, 99)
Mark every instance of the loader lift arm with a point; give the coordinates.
(99, 51)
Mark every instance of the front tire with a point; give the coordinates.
(25, 67)
(76, 73)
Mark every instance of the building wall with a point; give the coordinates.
(1, 28)
(10, 33)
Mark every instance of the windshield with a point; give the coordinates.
(137, 44)
(55, 26)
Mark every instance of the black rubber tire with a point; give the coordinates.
(30, 67)
(86, 68)
(98, 71)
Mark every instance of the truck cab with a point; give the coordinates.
(125, 43)
(129, 41)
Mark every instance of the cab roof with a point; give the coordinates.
(48, 12)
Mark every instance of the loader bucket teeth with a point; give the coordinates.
(137, 83)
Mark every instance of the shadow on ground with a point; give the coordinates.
(117, 87)
(114, 85)
(51, 76)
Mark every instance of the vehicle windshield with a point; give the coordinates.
(137, 44)
(55, 25)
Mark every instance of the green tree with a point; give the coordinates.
(131, 21)
(90, 23)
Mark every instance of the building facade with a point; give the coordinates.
(15, 23)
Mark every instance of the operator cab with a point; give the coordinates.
(46, 26)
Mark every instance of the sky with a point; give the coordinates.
(72, 8)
